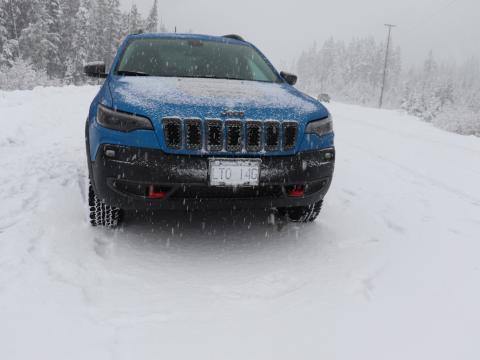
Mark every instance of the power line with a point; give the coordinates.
(390, 26)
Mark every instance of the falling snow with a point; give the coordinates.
(389, 270)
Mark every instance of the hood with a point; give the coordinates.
(158, 97)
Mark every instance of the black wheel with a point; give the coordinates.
(303, 214)
(101, 214)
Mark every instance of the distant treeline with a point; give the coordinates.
(447, 95)
(48, 41)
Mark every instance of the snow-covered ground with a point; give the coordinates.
(391, 270)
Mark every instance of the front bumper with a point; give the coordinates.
(121, 176)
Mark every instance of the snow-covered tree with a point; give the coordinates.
(79, 44)
(3, 29)
(53, 19)
(135, 22)
(152, 20)
(59, 36)
(69, 30)
(351, 73)
(21, 75)
(112, 33)
(16, 15)
(429, 90)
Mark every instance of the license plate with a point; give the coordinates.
(234, 172)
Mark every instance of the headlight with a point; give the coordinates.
(120, 121)
(320, 127)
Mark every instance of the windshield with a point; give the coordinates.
(194, 58)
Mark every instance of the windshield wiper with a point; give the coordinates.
(208, 76)
(131, 73)
(221, 77)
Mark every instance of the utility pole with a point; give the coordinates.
(390, 26)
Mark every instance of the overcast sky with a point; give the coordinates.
(282, 29)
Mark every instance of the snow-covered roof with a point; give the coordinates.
(187, 36)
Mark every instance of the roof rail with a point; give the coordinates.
(234, 36)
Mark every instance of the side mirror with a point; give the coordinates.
(289, 78)
(95, 69)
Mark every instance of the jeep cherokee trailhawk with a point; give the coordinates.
(187, 121)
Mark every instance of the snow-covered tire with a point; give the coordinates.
(302, 214)
(101, 214)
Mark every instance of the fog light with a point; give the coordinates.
(328, 156)
(110, 153)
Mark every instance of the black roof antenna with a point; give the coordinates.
(234, 36)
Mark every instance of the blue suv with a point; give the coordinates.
(189, 122)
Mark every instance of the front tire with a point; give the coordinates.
(302, 214)
(101, 214)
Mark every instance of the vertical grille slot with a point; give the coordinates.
(254, 136)
(289, 135)
(193, 128)
(172, 130)
(214, 135)
(272, 135)
(234, 135)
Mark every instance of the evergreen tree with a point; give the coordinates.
(16, 16)
(152, 20)
(3, 36)
(134, 20)
(350, 72)
(98, 32)
(69, 31)
(79, 44)
(112, 30)
(34, 44)
(53, 12)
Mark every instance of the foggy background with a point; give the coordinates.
(429, 69)
(282, 30)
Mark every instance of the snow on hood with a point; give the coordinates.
(151, 93)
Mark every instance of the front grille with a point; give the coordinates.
(254, 136)
(172, 128)
(289, 135)
(231, 135)
(272, 135)
(193, 127)
(214, 135)
(234, 135)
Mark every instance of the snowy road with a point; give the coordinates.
(391, 270)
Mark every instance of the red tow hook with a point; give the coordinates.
(296, 191)
(154, 194)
